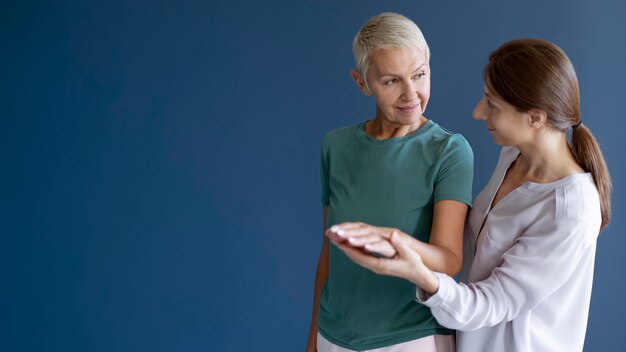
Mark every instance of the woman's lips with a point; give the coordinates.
(408, 109)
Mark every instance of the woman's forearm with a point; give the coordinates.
(321, 274)
(437, 258)
(320, 278)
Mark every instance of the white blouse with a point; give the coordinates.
(532, 257)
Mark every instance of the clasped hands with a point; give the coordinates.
(360, 241)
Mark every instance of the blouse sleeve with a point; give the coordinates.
(540, 262)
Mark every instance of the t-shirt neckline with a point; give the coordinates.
(363, 136)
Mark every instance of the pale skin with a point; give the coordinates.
(544, 157)
(399, 81)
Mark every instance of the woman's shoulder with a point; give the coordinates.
(438, 131)
(569, 202)
(577, 197)
(439, 135)
(340, 134)
(564, 209)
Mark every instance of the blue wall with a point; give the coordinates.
(160, 185)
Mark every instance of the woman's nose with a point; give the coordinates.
(479, 111)
(410, 91)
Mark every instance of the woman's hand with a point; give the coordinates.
(406, 263)
(373, 239)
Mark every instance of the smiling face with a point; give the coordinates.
(399, 80)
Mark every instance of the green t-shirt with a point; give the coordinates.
(393, 183)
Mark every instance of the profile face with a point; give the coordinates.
(399, 80)
(507, 125)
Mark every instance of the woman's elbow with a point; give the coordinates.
(453, 264)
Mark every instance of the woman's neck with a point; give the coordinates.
(548, 158)
(379, 129)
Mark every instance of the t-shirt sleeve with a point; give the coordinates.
(324, 174)
(454, 180)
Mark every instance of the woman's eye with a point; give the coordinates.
(391, 82)
(419, 75)
(490, 105)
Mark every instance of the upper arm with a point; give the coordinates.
(324, 253)
(452, 196)
(447, 228)
(325, 227)
(324, 178)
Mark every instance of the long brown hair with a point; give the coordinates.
(536, 74)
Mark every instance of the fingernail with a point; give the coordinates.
(341, 233)
(333, 228)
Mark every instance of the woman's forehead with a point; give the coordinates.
(397, 60)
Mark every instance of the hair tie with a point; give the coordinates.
(578, 124)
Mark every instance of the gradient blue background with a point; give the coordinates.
(160, 160)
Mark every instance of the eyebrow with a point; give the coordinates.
(396, 75)
(489, 96)
(492, 99)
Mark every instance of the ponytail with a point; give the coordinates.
(588, 155)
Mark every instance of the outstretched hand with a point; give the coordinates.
(372, 239)
(406, 263)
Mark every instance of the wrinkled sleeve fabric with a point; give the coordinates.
(540, 261)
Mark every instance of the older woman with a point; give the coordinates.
(532, 230)
(398, 169)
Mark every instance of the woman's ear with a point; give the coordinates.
(538, 118)
(360, 82)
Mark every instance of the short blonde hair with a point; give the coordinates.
(386, 30)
